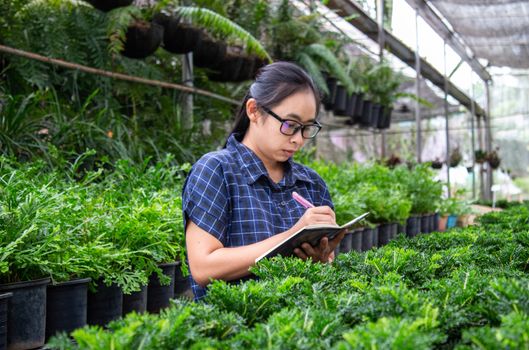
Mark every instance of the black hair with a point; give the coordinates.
(274, 83)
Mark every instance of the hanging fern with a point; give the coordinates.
(320, 53)
(222, 26)
(314, 70)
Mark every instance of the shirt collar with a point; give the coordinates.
(255, 169)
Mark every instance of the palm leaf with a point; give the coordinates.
(314, 70)
(322, 54)
(222, 26)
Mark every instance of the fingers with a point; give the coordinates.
(336, 240)
(301, 254)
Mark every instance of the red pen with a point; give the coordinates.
(305, 203)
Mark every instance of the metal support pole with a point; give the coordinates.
(381, 43)
(446, 123)
(417, 88)
(187, 77)
(473, 138)
(488, 142)
(481, 169)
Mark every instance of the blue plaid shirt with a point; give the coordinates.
(229, 194)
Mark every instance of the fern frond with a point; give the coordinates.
(322, 54)
(314, 70)
(220, 25)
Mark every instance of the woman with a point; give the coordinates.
(237, 202)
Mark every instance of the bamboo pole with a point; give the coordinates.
(114, 75)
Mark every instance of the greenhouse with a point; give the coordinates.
(205, 174)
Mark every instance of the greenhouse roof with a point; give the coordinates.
(495, 30)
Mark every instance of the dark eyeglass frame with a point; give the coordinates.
(301, 127)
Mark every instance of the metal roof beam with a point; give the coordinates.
(433, 19)
(368, 26)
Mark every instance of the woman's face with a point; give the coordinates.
(272, 145)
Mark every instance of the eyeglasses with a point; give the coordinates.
(291, 127)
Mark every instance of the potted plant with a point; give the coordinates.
(493, 159)
(455, 157)
(107, 5)
(480, 156)
(142, 38)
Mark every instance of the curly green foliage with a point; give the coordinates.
(513, 333)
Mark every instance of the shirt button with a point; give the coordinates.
(283, 203)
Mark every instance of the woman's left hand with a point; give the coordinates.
(324, 252)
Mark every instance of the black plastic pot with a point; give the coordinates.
(328, 100)
(66, 306)
(375, 236)
(393, 231)
(385, 118)
(340, 101)
(436, 219)
(401, 228)
(158, 296)
(136, 301)
(107, 5)
(425, 223)
(431, 219)
(413, 226)
(178, 38)
(367, 239)
(142, 39)
(246, 71)
(104, 305)
(356, 239)
(181, 282)
(359, 108)
(26, 320)
(228, 69)
(376, 110)
(384, 234)
(208, 53)
(346, 243)
(365, 119)
(4, 303)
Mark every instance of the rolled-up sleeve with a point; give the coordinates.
(205, 199)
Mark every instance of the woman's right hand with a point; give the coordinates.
(316, 215)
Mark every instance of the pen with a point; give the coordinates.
(305, 203)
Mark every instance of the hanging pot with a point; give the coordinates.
(107, 5)
(26, 320)
(142, 39)
(385, 121)
(359, 109)
(246, 72)
(376, 109)
(340, 101)
(135, 301)
(208, 53)
(179, 37)
(66, 306)
(229, 68)
(328, 100)
(351, 106)
(365, 119)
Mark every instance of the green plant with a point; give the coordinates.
(455, 157)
